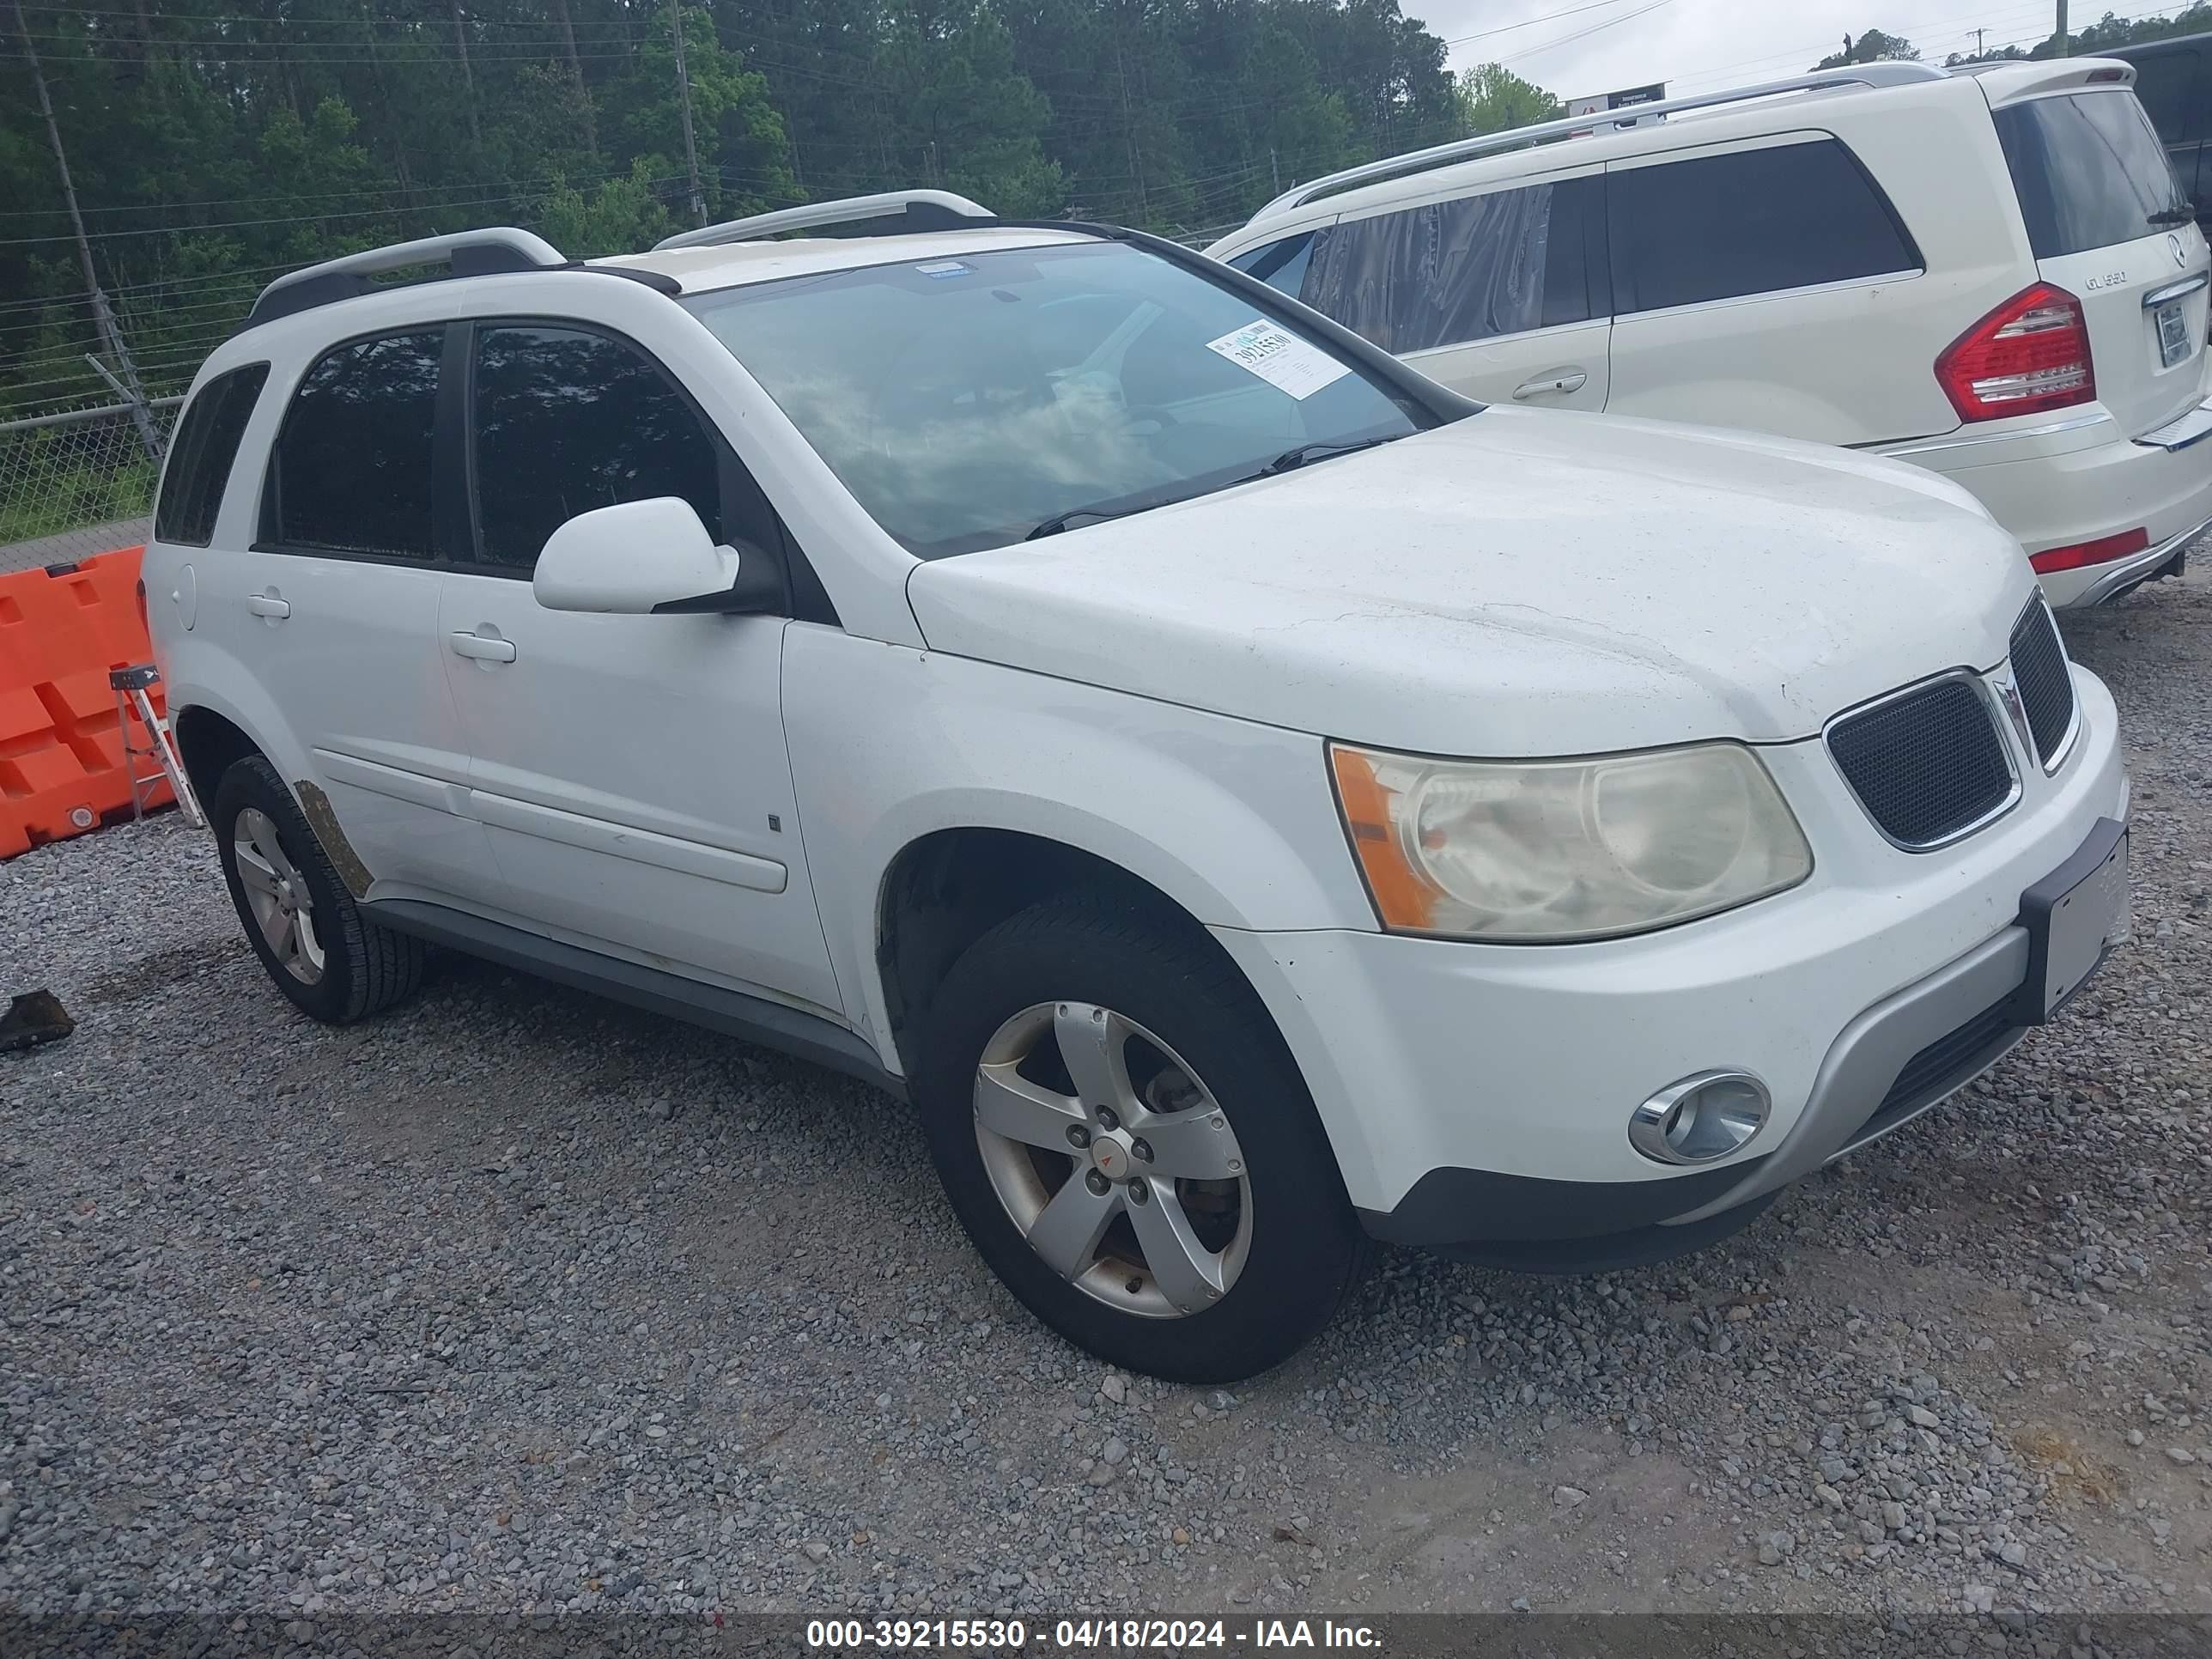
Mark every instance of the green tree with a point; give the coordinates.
(1873, 47)
(968, 118)
(1497, 100)
(736, 130)
(618, 216)
(213, 146)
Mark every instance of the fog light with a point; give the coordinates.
(1699, 1119)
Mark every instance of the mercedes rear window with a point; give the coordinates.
(2089, 172)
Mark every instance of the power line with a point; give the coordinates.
(1585, 32)
(1529, 23)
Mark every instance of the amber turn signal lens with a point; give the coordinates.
(1403, 897)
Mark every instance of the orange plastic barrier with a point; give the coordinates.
(62, 765)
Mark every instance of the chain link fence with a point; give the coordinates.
(78, 483)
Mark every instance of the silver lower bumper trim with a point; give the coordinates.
(2123, 573)
(1863, 1063)
(2192, 426)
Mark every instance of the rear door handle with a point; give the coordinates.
(481, 648)
(268, 606)
(1566, 380)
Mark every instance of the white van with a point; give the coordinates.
(1993, 275)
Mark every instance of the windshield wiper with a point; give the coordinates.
(1059, 521)
(2173, 215)
(1291, 460)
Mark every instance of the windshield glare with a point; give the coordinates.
(966, 400)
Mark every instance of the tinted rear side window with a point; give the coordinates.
(1449, 272)
(1281, 265)
(1753, 221)
(201, 454)
(2088, 170)
(567, 421)
(352, 468)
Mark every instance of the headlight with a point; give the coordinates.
(1565, 849)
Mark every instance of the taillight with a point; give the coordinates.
(2100, 551)
(2032, 353)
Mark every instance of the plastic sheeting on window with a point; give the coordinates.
(1438, 275)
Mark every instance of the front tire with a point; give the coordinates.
(321, 951)
(1127, 1140)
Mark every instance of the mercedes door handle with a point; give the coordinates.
(482, 648)
(268, 606)
(1551, 386)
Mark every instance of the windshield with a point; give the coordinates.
(968, 402)
(2089, 172)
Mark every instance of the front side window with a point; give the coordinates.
(567, 421)
(201, 454)
(2089, 172)
(351, 472)
(1751, 222)
(970, 401)
(1449, 272)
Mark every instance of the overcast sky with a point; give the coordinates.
(1578, 47)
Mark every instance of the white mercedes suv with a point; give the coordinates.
(1992, 274)
(1250, 799)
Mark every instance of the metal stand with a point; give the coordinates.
(131, 699)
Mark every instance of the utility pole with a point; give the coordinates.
(1136, 156)
(1274, 169)
(2063, 51)
(684, 95)
(468, 75)
(111, 335)
(1978, 42)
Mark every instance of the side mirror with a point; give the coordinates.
(637, 557)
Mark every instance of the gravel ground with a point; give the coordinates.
(515, 1299)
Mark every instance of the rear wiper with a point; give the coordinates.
(1291, 460)
(2173, 215)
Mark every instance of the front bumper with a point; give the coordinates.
(1478, 1097)
(1902, 1057)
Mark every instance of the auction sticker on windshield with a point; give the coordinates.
(1280, 358)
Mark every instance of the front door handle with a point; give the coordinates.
(1558, 384)
(481, 647)
(268, 606)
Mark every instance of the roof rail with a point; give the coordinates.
(465, 253)
(1465, 149)
(920, 209)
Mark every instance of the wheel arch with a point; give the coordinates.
(945, 888)
(209, 743)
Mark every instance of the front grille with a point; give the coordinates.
(2039, 669)
(1927, 764)
(1948, 1063)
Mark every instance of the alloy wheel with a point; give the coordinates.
(277, 893)
(1113, 1159)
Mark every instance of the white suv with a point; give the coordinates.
(1992, 274)
(1249, 799)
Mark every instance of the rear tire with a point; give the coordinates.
(1243, 1244)
(311, 935)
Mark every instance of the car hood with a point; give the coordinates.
(1519, 583)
